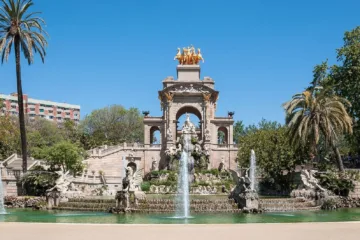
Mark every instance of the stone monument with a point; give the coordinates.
(127, 198)
(246, 198)
(309, 188)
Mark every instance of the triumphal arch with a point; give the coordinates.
(188, 93)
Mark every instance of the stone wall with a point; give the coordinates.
(356, 192)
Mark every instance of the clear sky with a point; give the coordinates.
(117, 52)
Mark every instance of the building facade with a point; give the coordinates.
(34, 108)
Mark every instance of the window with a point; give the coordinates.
(41, 110)
(32, 109)
(59, 118)
(58, 112)
(51, 111)
(67, 113)
(51, 117)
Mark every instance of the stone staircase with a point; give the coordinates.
(95, 205)
(287, 205)
(150, 206)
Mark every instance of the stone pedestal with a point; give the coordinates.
(122, 201)
(248, 201)
(188, 73)
(52, 199)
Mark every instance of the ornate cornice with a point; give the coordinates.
(168, 93)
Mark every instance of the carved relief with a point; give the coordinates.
(207, 96)
(169, 96)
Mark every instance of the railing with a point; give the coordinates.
(105, 150)
(155, 145)
(225, 146)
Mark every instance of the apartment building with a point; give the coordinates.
(34, 108)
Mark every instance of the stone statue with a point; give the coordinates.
(188, 127)
(130, 187)
(197, 148)
(179, 149)
(207, 135)
(221, 167)
(62, 191)
(206, 150)
(309, 188)
(169, 134)
(154, 165)
(62, 183)
(308, 181)
(244, 196)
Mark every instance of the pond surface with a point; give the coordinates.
(24, 215)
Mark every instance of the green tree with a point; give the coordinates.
(239, 130)
(274, 154)
(221, 137)
(310, 115)
(113, 125)
(9, 135)
(345, 78)
(38, 180)
(42, 133)
(262, 125)
(23, 30)
(66, 156)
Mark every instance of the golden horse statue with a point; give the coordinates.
(178, 56)
(189, 56)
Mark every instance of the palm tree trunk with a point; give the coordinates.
(338, 157)
(21, 105)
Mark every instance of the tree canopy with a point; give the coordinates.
(274, 154)
(113, 125)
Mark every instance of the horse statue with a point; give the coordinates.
(178, 56)
(199, 57)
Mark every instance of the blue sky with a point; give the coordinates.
(117, 52)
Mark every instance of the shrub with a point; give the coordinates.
(172, 177)
(37, 181)
(213, 171)
(194, 140)
(339, 183)
(203, 183)
(145, 186)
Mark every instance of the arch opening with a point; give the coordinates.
(222, 135)
(132, 165)
(195, 118)
(155, 135)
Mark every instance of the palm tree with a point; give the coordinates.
(24, 31)
(312, 114)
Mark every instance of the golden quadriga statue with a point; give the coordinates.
(189, 56)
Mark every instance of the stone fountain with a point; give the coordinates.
(244, 193)
(186, 168)
(63, 190)
(128, 198)
(2, 208)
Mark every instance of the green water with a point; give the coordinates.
(23, 215)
